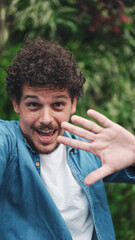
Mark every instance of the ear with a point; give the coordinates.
(16, 106)
(73, 107)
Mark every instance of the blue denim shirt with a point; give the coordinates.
(27, 211)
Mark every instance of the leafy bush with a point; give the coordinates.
(101, 36)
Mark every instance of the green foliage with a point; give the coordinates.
(101, 36)
(122, 206)
(44, 18)
(6, 109)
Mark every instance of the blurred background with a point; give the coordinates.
(101, 36)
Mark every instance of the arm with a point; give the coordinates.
(3, 157)
(7, 147)
(113, 144)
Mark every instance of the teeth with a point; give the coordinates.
(47, 131)
(46, 134)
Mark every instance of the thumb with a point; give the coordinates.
(97, 175)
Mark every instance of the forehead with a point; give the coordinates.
(44, 92)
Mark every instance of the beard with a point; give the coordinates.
(39, 147)
(38, 150)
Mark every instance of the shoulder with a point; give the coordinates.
(8, 127)
(8, 133)
(9, 138)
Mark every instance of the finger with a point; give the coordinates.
(86, 146)
(81, 132)
(97, 175)
(86, 123)
(106, 122)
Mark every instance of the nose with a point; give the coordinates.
(46, 116)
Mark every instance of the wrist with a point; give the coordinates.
(133, 149)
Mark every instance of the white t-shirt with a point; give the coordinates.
(66, 193)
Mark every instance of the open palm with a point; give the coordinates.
(113, 144)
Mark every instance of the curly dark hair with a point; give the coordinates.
(41, 63)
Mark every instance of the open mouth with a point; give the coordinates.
(46, 136)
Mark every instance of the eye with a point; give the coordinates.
(33, 105)
(59, 105)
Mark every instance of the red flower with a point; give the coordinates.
(115, 29)
(125, 19)
(91, 29)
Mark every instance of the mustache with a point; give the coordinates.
(43, 127)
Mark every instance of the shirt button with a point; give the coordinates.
(37, 164)
(72, 152)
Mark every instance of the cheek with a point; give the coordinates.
(26, 121)
(64, 117)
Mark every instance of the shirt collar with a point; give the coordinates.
(70, 149)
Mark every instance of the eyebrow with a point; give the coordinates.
(36, 97)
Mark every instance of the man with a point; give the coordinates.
(42, 189)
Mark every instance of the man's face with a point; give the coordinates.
(42, 110)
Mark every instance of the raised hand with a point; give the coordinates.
(113, 144)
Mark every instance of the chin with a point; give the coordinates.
(46, 150)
